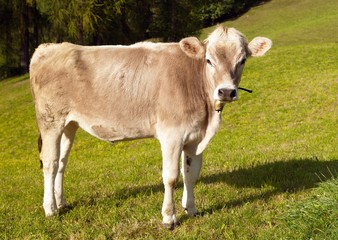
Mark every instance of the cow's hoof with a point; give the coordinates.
(191, 212)
(62, 205)
(50, 209)
(51, 213)
(171, 226)
(64, 209)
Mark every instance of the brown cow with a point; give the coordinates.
(171, 91)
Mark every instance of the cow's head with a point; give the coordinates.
(225, 52)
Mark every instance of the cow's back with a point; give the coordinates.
(120, 88)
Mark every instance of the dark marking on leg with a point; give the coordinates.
(188, 160)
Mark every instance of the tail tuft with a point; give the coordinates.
(39, 143)
(39, 147)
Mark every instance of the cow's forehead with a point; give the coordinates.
(224, 39)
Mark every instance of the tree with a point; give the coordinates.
(19, 38)
(73, 20)
(215, 11)
(6, 41)
(122, 22)
(25, 35)
(174, 19)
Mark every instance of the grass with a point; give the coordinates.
(315, 217)
(262, 176)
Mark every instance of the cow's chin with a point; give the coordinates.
(226, 100)
(220, 103)
(229, 100)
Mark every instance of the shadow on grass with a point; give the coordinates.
(282, 176)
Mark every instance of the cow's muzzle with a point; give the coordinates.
(227, 95)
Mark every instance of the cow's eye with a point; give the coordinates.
(243, 61)
(209, 62)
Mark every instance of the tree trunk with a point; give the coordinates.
(173, 25)
(24, 62)
(35, 21)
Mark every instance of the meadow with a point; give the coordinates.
(270, 173)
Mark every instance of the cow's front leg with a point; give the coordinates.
(170, 173)
(49, 156)
(191, 166)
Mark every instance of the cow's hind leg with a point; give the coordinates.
(67, 140)
(170, 172)
(191, 166)
(50, 153)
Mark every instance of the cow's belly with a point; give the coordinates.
(114, 130)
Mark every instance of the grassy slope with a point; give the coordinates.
(272, 145)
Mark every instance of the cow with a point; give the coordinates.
(174, 92)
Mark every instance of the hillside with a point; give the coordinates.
(289, 22)
(275, 147)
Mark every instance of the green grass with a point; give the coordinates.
(313, 218)
(262, 176)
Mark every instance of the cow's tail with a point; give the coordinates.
(40, 147)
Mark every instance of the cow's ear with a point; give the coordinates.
(192, 47)
(259, 46)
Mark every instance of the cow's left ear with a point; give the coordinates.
(192, 47)
(259, 46)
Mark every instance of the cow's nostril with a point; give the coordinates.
(233, 93)
(221, 92)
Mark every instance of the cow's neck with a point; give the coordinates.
(214, 117)
(212, 128)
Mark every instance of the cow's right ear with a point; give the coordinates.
(192, 47)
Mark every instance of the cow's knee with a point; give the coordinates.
(171, 180)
